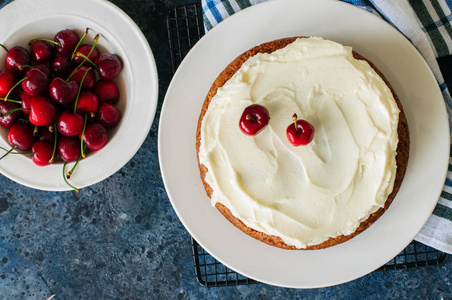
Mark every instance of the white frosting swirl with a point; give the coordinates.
(309, 193)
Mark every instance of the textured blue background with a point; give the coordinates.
(120, 239)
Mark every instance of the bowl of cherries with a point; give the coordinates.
(69, 113)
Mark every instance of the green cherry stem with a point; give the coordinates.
(69, 174)
(79, 42)
(295, 118)
(70, 185)
(96, 38)
(10, 151)
(86, 59)
(80, 89)
(82, 148)
(54, 144)
(11, 100)
(12, 110)
(3, 46)
(46, 40)
(14, 86)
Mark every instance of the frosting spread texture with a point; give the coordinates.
(306, 194)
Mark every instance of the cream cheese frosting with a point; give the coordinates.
(306, 194)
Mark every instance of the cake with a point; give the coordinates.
(313, 196)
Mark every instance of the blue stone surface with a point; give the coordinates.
(121, 239)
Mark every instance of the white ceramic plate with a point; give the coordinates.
(412, 81)
(23, 20)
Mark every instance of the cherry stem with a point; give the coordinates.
(69, 174)
(79, 42)
(96, 38)
(80, 89)
(81, 138)
(3, 46)
(10, 150)
(294, 118)
(250, 117)
(11, 100)
(9, 92)
(12, 110)
(70, 185)
(46, 40)
(25, 66)
(86, 59)
(54, 144)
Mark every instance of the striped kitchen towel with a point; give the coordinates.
(427, 24)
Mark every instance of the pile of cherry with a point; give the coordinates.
(58, 98)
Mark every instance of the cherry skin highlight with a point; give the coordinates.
(42, 153)
(302, 134)
(69, 123)
(20, 135)
(254, 119)
(7, 81)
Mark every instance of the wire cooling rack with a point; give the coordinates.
(185, 28)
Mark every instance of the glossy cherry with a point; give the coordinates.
(63, 92)
(16, 58)
(42, 112)
(107, 91)
(85, 49)
(69, 148)
(41, 51)
(67, 41)
(60, 66)
(35, 83)
(254, 119)
(90, 78)
(42, 153)
(302, 134)
(109, 66)
(43, 67)
(26, 102)
(7, 81)
(20, 135)
(87, 103)
(108, 115)
(69, 123)
(95, 136)
(11, 118)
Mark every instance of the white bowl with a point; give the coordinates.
(23, 20)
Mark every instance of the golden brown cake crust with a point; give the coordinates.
(401, 157)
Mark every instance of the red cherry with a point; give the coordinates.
(16, 58)
(85, 49)
(20, 135)
(107, 91)
(254, 119)
(26, 102)
(109, 66)
(87, 103)
(69, 148)
(90, 78)
(61, 65)
(67, 40)
(42, 111)
(302, 134)
(95, 136)
(108, 115)
(9, 119)
(69, 123)
(44, 68)
(42, 153)
(41, 51)
(35, 83)
(63, 92)
(6, 82)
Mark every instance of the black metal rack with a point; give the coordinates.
(185, 28)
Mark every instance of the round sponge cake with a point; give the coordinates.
(401, 154)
